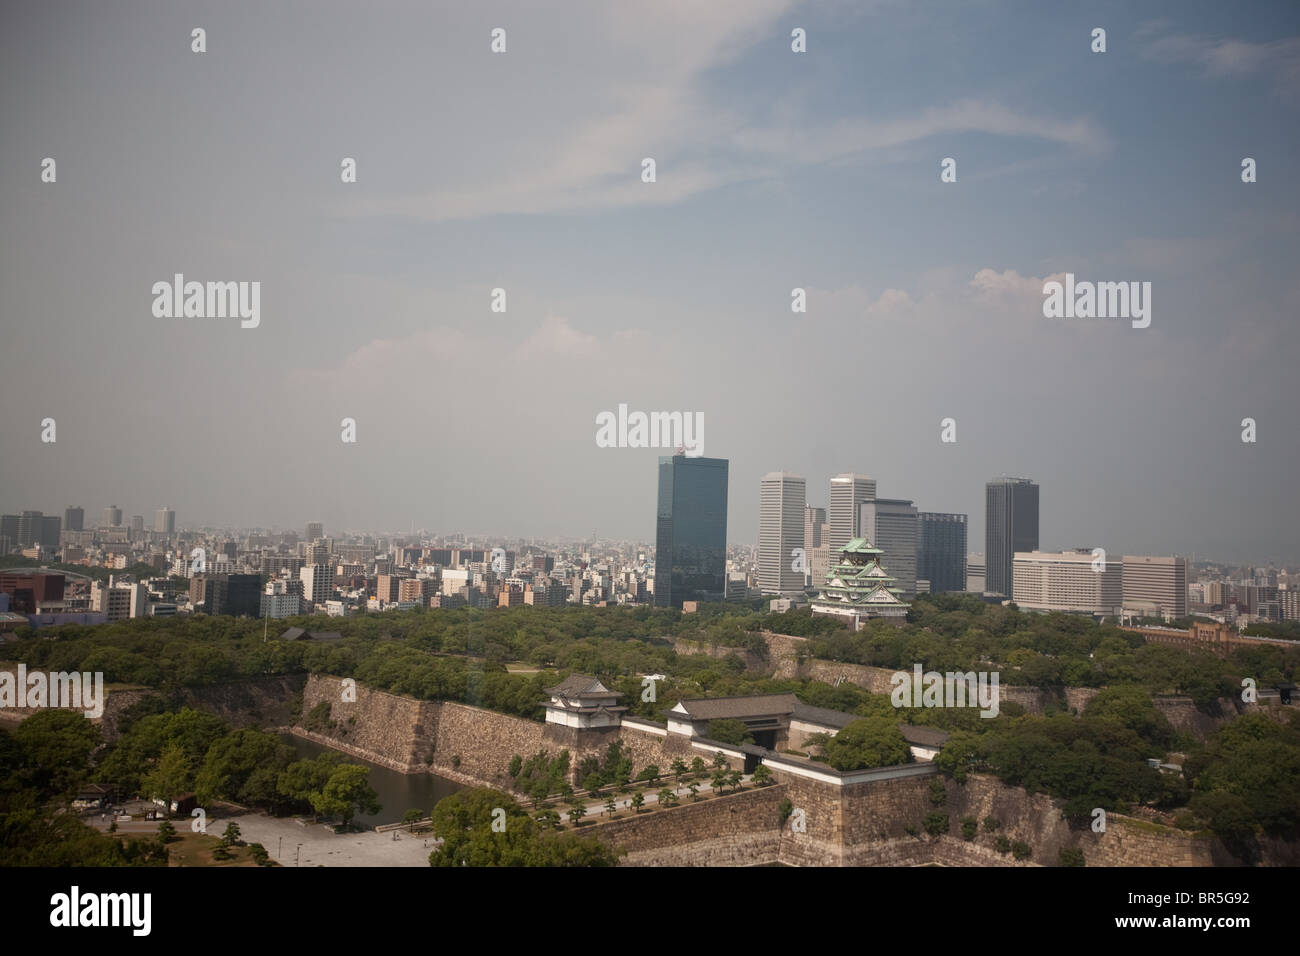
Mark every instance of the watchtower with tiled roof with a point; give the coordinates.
(584, 703)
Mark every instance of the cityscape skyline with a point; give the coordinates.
(777, 171)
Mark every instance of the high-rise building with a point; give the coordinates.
(388, 588)
(317, 582)
(1010, 525)
(9, 529)
(164, 521)
(29, 528)
(691, 530)
(1161, 581)
(1074, 581)
(781, 511)
(816, 544)
(890, 525)
(112, 517)
(74, 519)
(208, 592)
(848, 493)
(813, 520)
(279, 599)
(137, 523)
(315, 529)
(50, 527)
(941, 550)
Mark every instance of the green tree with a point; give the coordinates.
(230, 837)
(166, 832)
(347, 793)
(576, 812)
(868, 742)
(638, 801)
(56, 745)
(412, 817)
(464, 822)
(762, 776)
(172, 775)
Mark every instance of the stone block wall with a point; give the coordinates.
(391, 730)
(740, 829)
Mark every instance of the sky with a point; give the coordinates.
(774, 170)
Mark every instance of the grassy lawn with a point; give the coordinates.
(195, 849)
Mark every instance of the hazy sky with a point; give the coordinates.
(775, 170)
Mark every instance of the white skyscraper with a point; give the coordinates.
(848, 493)
(890, 525)
(164, 521)
(780, 532)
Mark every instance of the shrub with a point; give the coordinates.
(1002, 844)
(936, 824)
(991, 823)
(1020, 850)
(1070, 856)
(969, 827)
(786, 808)
(938, 793)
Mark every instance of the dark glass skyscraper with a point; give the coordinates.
(941, 550)
(1010, 525)
(691, 531)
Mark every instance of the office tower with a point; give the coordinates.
(29, 528)
(74, 519)
(1073, 581)
(848, 493)
(782, 502)
(813, 520)
(317, 582)
(164, 521)
(209, 593)
(890, 525)
(388, 587)
(243, 595)
(280, 600)
(691, 530)
(941, 550)
(1161, 581)
(315, 529)
(9, 529)
(112, 517)
(415, 589)
(1010, 525)
(137, 523)
(49, 534)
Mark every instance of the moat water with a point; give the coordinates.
(398, 792)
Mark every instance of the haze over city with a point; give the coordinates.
(774, 172)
